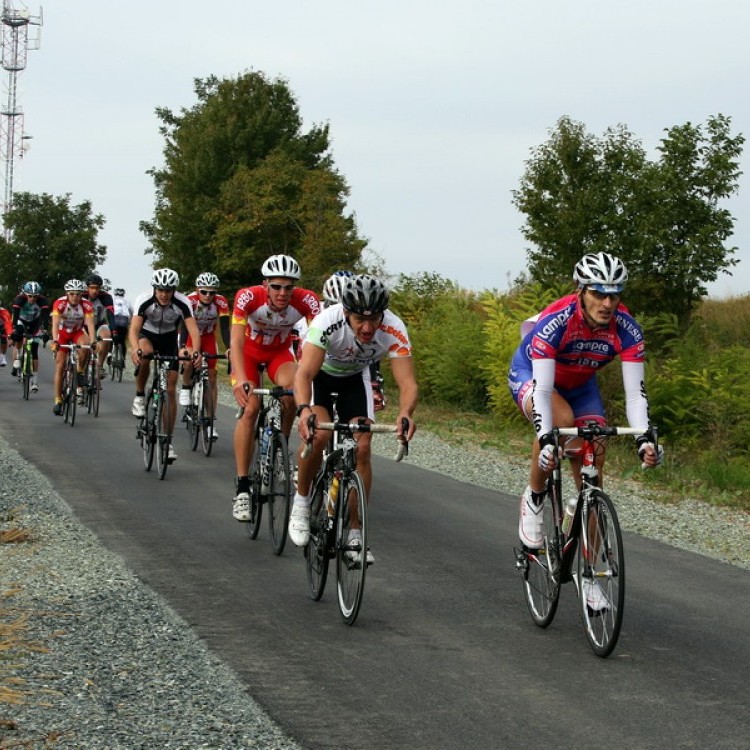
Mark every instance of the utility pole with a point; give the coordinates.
(16, 23)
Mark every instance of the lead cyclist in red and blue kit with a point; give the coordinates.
(552, 379)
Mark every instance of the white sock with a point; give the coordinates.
(303, 500)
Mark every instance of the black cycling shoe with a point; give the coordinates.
(57, 409)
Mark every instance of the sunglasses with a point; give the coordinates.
(206, 291)
(279, 287)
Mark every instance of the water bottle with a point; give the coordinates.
(570, 511)
(333, 493)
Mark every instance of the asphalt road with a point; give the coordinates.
(444, 654)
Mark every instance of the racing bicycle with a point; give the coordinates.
(152, 431)
(270, 469)
(26, 371)
(71, 380)
(199, 416)
(116, 359)
(590, 553)
(338, 508)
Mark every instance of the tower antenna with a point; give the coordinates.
(17, 40)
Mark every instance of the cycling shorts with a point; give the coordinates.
(163, 343)
(208, 346)
(272, 357)
(70, 337)
(354, 395)
(585, 400)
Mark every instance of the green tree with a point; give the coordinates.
(241, 181)
(664, 218)
(52, 241)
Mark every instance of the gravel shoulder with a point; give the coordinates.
(90, 657)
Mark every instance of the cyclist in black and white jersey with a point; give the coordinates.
(157, 315)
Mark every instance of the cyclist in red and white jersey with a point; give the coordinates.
(263, 318)
(552, 378)
(211, 312)
(341, 345)
(72, 323)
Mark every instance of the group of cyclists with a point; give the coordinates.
(317, 348)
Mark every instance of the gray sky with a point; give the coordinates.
(433, 106)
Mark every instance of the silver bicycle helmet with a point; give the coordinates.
(334, 285)
(602, 272)
(32, 287)
(75, 285)
(281, 265)
(364, 295)
(165, 278)
(207, 281)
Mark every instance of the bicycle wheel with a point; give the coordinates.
(280, 494)
(256, 505)
(68, 390)
(207, 416)
(350, 565)
(94, 391)
(541, 572)
(163, 438)
(317, 548)
(148, 433)
(193, 416)
(70, 414)
(601, 573)
(118, 362)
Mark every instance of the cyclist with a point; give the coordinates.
(30, 311)
(72, 323)
(341, 344)
(6, 329)
(104, 315)
(123, 312)
(332, 289)
(157, 315)
(262, 321)
(552, 379)
(210, 310)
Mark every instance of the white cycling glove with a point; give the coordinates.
(547, 459)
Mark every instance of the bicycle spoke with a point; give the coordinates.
(351, 559)
(280, 495)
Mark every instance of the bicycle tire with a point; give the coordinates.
(280, 494)
(541, 574)
(73, 393)
(118, 362)
(148, 433)
(67, 390)
(95, 390)
(207, 417)
(317, 549)
(350, 575)
(256, 504)
(606, 566)
(193, 417)
(163, 438)
(26, 367)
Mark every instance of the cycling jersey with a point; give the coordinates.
(158, 319)
(31, 313)
(71, 317)
(6, 324)
(103, 305)
(267, 327)
(345, 355)
(122, 308)
(207, 316)
(562, 352)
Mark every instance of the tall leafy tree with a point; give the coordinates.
(663, 217)
(241, 180)
(52, 241)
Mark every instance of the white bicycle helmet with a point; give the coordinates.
(364, 295)
(602, 272)
(281, 265)
(32, 287)
(334, 285)
(75, 285)
(207, 281)
(165, 278)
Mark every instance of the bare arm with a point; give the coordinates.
(408, 391)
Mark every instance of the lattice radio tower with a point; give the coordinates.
(17, 40)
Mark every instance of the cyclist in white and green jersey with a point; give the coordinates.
(341, 344)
